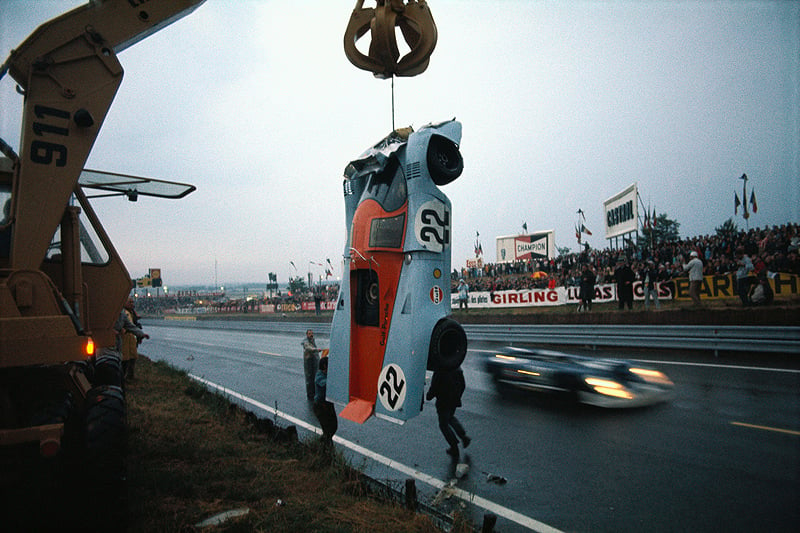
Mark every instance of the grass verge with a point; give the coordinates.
(193, 455)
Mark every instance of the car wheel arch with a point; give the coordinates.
(448, 346)
(445, 163)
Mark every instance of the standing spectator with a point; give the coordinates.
(743, 280)
(323, 409)
(665, 278)
(649, 276)
(586, 293)
(624, 277)
(463, 294)
(762, 293)
(310, 362)
(695, 268)
(129, 336)
(447, 386)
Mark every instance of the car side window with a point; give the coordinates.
(388, 187)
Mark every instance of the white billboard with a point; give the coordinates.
(621, 212)
(539, 245)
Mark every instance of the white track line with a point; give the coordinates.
(272, 354)
(438, 484)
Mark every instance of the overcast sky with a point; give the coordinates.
(563, 105)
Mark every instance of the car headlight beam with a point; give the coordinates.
(609, 388)
(653, 376)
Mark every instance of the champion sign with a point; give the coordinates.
(539, 247)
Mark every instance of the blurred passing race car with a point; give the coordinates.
(588, 380)
(391, 322)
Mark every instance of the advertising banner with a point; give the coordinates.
(724, 286)
(533, 297)
(539, 245)
(621, 212)
(714, 287)
(475, 263)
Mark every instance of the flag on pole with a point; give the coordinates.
(736, 204)
(753, 201)
(524, 226)
(585, 230)
(578, 233)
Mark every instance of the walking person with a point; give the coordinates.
(447, 386)
(695, 268)
(323, 409)
(310, 362)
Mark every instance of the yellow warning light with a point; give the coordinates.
(437, 273)
(89, 348)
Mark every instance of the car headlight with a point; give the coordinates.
(505, 357)
(608, 387)
(653, 376)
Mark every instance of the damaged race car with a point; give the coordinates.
(588, 380)
(391, 321)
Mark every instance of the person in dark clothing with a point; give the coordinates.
(649, 277)
(323, 409)
(310, 361)
(624, 277)
(588, 280)
(447, 386)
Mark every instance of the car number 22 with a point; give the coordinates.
(432, 225)
(392, 387)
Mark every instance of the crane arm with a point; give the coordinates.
(69, 72)
(112, 24)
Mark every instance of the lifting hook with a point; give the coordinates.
(416, 24)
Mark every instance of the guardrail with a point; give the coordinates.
(775, 339)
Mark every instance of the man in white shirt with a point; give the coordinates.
(695, 268)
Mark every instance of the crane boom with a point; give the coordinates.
(69, 71)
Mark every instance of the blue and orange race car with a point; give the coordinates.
(391, 322)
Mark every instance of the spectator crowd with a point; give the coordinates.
(772, 249)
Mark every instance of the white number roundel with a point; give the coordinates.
(392, 387)
(432, 226)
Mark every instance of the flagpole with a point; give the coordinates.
(746, 215)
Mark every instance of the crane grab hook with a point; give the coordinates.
(416, 24)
